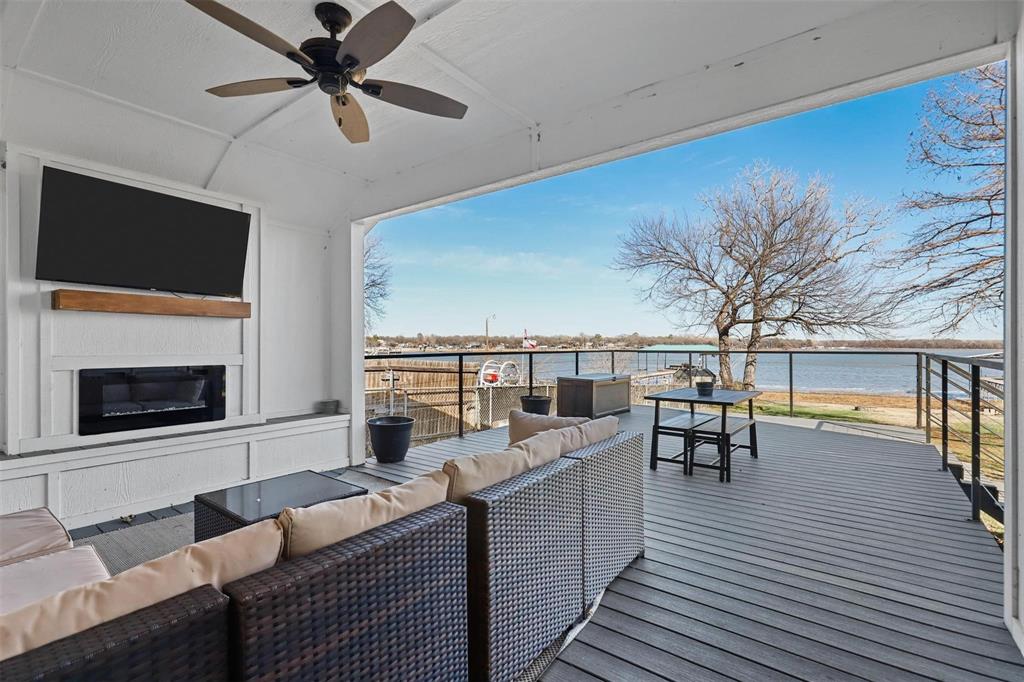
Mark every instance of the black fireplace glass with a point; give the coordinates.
(125, 399)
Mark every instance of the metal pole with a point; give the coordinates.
(462, 399)
(790, 384)
(531, 373)
(577, 362)
(928, 399)
(918, 391)
(613, 362)
(945, 415)
(690, 361)
(975, 442)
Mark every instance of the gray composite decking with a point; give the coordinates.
(832, 557)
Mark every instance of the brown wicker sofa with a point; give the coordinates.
(389, 603)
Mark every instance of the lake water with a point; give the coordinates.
(821, 372)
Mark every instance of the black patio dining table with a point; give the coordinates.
(698, 428)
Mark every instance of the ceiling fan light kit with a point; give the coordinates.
(337, 65)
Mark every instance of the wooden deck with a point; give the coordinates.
(832, 557)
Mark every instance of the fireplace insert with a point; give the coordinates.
(125, 399)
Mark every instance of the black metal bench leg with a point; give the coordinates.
(728, 459)
(654, 435)
(753, 429)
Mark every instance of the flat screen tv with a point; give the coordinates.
(94, 231)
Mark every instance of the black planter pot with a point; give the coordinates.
(390, 437)
(536, 404)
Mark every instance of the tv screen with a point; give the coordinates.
(95, 231)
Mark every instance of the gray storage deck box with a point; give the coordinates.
(593, 395)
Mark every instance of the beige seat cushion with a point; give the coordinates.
(310, 528)
(582, 435)
(214, 562)
(522, 425)
(28, 581)
(475, 472)
(31, 532)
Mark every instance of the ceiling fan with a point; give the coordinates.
(337, 65)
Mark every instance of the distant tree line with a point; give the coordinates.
(592, 341)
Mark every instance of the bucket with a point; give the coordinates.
(390, 437)
(535, 404)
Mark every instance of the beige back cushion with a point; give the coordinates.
(212, 562)
(582, 435)
(522, 425)
(311, 528)
(475, 472)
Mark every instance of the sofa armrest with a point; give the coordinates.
(387, 604)
(525, 576)
(613, 508)
(182, 638)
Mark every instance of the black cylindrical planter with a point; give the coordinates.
(390, 437)
(536, 404)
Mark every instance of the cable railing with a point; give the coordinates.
(970, 425)
(463, 402)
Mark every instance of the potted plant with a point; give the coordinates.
(390, 437)
(536, 404)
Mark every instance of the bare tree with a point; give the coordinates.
(376, 280)
(957, 253)
(768, 258)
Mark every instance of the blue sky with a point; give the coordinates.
(538, 256)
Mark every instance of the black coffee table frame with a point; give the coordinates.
(695, 432)
(213, 519)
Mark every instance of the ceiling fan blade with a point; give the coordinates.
(417, 99)
(258, 87)
(250, 28)
(375, 36)
(350, 118)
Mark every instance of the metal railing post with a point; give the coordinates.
(613, 362)
(975, 442)
(690, 361)
(918, 388)
(462, 400)
(577, 362)
(945, 415)
(927, 399)
(531, 373)
(790, 384)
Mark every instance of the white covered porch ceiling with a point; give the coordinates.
(549, 84)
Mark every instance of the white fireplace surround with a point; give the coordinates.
(277, 366)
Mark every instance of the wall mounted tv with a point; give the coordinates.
(94, 231)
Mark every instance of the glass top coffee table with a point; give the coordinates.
(222, 511)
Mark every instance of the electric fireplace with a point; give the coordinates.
(126, 399)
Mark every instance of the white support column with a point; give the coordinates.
(347, 336)
(1014, 346)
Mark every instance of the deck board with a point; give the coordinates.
(834, 556)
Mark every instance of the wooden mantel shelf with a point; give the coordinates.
(107, 302)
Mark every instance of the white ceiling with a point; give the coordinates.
(122, 83)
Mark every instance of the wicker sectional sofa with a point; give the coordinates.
(475, 590)
(542, 547)
(389, 603)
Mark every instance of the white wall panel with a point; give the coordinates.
(318, 450)
(63, 401)
(295, 298)
(22, 493)
(113, 485)
(99, 334)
